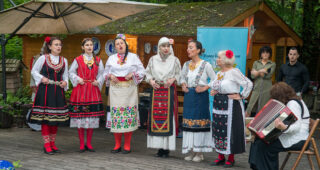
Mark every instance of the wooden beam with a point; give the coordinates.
(281, 23)
(241, 17)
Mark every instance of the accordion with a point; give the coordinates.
(263, 123)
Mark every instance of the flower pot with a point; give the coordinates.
(6, 120)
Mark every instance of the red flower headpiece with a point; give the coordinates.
(190, 39)
(229, 54)
(47, 40)
(171, 41)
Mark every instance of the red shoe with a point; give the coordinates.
(229, 164)
(218, 162)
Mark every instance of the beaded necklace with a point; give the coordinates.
(121, 59)
(56, 67)
(193, 67)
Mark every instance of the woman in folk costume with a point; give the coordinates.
(123, 72)
(86, 75)
(162, 72)
(228, 109)
(50, 73)
(196, 115)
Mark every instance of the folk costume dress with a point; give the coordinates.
(228, 114)
(124, 94)
(86, 105)
(196, 114)
(163, 118)
(49, 107)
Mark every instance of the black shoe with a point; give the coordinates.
(228, 164)
(165, 153)
(218, 162)
(82, 150)
(46, 152)
(125, 151)
(160, 153)
(116, 151)
(56, 151)
(90, 150)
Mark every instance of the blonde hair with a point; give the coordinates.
(225, 59)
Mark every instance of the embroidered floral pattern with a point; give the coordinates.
(124, 117)
(191, 123)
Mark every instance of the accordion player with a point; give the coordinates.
(263, 124)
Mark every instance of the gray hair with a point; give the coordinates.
(225, 59)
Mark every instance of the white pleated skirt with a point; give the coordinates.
(197, 142)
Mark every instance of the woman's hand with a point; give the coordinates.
(169, 82)
(80, 81)
(262, 72)
(185, 88)
(63, 84)
(128, 76)
(200, 89)
(114, 79)
(213, 92)
(254, 72)
(234, 96)
(45, 80)
(280, 125)
(154, 84)
(95, 83)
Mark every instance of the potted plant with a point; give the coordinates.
(6, 114)
(22, 105)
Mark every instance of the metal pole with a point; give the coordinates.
(3, 51)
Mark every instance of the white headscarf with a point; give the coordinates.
(164, 40)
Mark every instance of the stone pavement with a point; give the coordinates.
(26, 145)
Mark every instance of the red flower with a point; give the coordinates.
(47, 40)
(171, 41)
(190, 39)
(229, 54)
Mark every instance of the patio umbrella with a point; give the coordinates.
(66, 16)
(63, 17)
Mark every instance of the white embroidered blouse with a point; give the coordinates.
(131, 65)
(73, 73)
(163, 70)
(192, 78)
(299, 130)
(231, 81)
(35, 72)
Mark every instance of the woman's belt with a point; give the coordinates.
(54, 82)
(123, 79)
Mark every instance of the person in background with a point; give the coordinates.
(294, 73)
(261, 73)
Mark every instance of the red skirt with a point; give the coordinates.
(86, 101)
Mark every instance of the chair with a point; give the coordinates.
(313, 150)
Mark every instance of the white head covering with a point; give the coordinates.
(164, 40)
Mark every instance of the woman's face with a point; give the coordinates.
(192, 50)
(120, 46)
(219, 61)
(55, 47)
(265, 56)
(165, 48)
(88, 47)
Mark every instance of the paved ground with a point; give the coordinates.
(26, 145)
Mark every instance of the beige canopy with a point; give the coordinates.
(66, 16)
